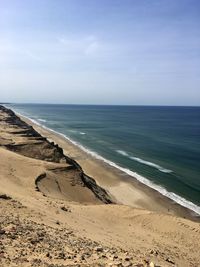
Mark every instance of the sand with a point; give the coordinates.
(59, 221)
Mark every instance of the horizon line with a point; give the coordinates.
(76, 104)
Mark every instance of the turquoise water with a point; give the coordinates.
(161, 144)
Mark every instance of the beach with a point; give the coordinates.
(107, 217)
(122, 187)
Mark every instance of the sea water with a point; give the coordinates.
(160, 146)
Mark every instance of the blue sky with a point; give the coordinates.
(100, 52)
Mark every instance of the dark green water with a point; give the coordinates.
(161, 144)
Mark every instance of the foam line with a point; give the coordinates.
(42, 120)
(145, 162)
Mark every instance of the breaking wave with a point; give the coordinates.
(145, 162)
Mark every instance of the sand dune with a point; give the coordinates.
(53, 215)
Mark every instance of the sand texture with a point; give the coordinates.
(60, 207)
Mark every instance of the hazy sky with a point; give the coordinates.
(100, 51)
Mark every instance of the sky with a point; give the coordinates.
(128, 52)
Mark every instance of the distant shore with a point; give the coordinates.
(123, 188)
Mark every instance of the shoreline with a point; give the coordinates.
(124, 188)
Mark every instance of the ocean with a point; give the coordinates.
(158, 145)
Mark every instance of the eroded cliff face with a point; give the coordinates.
(61, 181)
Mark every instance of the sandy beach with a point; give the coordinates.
(62, 207)
(122, 188)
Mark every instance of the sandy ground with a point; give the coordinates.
(51, 227)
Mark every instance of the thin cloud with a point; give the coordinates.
(92, 48)
(32, 55)
(87, 45)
